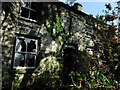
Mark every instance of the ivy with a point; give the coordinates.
(16, 82)
(58, 32)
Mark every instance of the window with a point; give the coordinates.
(25, 52)
(29, 11)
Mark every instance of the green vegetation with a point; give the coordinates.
(97, 80)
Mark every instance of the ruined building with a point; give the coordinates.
(42, 39)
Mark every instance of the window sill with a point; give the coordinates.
(23, 68)
(27, 19)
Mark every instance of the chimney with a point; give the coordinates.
(77, 6)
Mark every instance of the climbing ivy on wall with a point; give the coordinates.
(57, 30)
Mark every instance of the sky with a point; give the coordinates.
(95, 7)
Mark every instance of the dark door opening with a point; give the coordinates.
(69, 57)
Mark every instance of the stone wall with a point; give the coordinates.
(75, 25)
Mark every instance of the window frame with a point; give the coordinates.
(29, 9)
(35, 54)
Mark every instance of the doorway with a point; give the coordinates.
(69, 61)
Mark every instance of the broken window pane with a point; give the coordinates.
(30, 60)
(20, 45)
(19, 59)
(31, 46)
(25, 52)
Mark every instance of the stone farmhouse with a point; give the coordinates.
(43, 41)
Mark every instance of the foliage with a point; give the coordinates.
(57, 31)
(108, 6)
(89, 75)
(16, 82)
(70, 2)
(106, 34)
(105, 49)
(48, 69)
(97, 79)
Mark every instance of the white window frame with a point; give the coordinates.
(26, 52)
(30, 9)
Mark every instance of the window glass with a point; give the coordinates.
(27, 4)
(25, 52)
(29, 10)
(33, 15)
(24, 12)
(34, 5)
